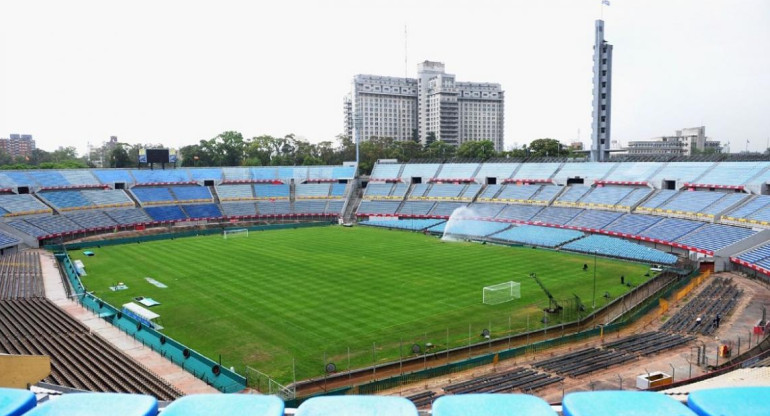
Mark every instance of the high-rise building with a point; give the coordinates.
(18, 145)
(431, 106)
(602, 96)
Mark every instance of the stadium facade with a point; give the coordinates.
(434, 103)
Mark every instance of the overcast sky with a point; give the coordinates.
(176, 72)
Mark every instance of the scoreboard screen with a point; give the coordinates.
(157, 156)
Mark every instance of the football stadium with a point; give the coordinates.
(420, 286)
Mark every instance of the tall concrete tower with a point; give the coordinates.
(602, 105)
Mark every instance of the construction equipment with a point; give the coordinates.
(553, 306)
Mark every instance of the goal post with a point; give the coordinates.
(501, 293)
(235, 232)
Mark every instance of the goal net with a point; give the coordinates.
(235, 232)
(501, 293)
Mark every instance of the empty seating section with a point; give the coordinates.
(499, 171)
(47, 178)
(483, 210)
(66, 200)
(23, 204)
(413, 224)
(237, 209)
(386, 171)
(343, 172)
(425, 171)
(12, 179)
(107, 198)
(91, 219)
(589, 171)
(469, 228)
(160, 176)
(315, 207)
(378, 190)
(240, 192)
(671, 229)
(714, 237)
(21, 277)
(536, 170)
(724, 203)
(698, 315)
(113, 176)
(27, 228)
(240, 174)
(538, 236)
(691, 201)
(546, 193)
(153, 195)
(759, 255)
(128, 216)
(634, 197)
(338, 190)
(418, 190)
(489, 192)
(633, 172)
(733, 173)
(458, 170)
(519, 212)
(517, 193)
(572, 194)
(274, 207)
(56, 224)
(744, 211)
(399, 191)
(556, 215)
(632, 224)
(594, 219)
(445, 209)
(616, 247)
(606, 196)
(761, 216)
(416, 207)
(470, 192)
(79, 177)
(657, 200)
(202, 174)
(202, 211)
(7, 240)
(263, 191)
(312, 190)
(166, 213)
(378, 207)
(445, 191)
(335, 206)
(680, 171)
(315, 173)
(191, 193)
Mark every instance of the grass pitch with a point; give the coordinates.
(311, 294)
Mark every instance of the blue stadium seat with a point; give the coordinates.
(730, 401)
(225, 404)
(538, 236)
(622, 403)
(201, 174)
(491, 404)
(407, 224)
(98, 404)
(166, 213)
(191, 193)
(14, 402)
(202, 211)
(616, 247)
(386, 171)
(357, 406)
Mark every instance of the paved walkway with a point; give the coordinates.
(169, 371)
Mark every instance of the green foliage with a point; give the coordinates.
(314, 292)
(547, 147)
(119, 157)
(477, 150)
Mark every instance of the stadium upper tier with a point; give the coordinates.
(89, 178)
(737, 175)
(726, 401)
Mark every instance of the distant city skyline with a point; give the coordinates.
(176, 72)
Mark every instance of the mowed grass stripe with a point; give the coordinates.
(297, 294)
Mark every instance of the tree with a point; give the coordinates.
(477, 150)
(119, 157)
(440, 149)
(430, 138)
(547, 147)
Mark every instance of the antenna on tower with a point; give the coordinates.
(405, 70)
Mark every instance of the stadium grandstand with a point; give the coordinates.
(668, 215)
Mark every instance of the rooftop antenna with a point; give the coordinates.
(405, 66)
(601, 10)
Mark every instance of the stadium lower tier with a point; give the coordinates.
(733, 401)
(697, 236)
(44, 227)
(531, 235)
